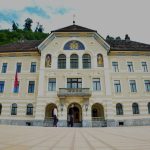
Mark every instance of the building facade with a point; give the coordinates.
(99, 82)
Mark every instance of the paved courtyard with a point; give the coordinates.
(46, 138)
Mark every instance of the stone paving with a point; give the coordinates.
(46, 138)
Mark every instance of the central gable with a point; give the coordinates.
(74, 31)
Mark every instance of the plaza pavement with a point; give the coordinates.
(49, 138)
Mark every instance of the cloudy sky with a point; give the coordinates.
(113, 17)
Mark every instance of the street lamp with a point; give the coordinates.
(86, 108)
(61, 108)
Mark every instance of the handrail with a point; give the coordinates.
(49, 118)
(98, 118)
(74, 91)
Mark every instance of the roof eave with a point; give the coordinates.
(129, 49)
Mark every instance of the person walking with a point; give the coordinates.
(71, 120)
(55, 117)
(68, 120)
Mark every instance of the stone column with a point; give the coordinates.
(80, 62)
(40, 105)
(41, 83)
(67, 62)
(62, 113)
(86, 114)
(107, 77)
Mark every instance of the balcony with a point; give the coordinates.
(79, 92)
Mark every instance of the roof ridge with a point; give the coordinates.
(74, 28)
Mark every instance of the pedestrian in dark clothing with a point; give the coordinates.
(68, 120)
(55, 121)
(55, 117)
(71, 120)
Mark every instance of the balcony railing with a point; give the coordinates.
(81, 92)
(98, 118)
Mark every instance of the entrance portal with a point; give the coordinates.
(49, 111)
(75, 111)
(97, 112)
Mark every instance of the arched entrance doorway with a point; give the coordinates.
(97, 112)
(75, 111)
(49, 111)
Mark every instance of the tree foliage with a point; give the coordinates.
(7, 36)
(14, 26)
(16, 34)
(28, 24)
(39, 28)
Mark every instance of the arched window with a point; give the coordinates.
(119, 109)
(74, 61)
(29, 109)
(49, 114)
(14, 109)
(100, 62)
(61, 61)
(86, 60)
(97, 112)
(0, 109)
(135, 108)
(48, 61)
(148, 105)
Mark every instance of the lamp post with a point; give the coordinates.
(86, 108)
(61, 108)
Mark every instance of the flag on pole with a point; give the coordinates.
(16, 82)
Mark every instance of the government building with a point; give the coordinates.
(102, 83)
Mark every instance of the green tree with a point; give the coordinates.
(28, 24)
(39, 28)
(14, 26)
(118, 38)
(109, 38)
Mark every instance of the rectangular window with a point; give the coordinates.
(31, 86)
(52, 84)
(117, 86)
(144, 66)
(16, 89)
(130, 66)
(33, 67)
(2, 84)
(4, 68)
(147, 85)
(115, 66)
(133, 86)
(96, 84)
(18, 67)
(74, 83)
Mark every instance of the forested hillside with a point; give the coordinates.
(7, 36)
(16, 34)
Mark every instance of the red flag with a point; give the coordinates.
(16, 82)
